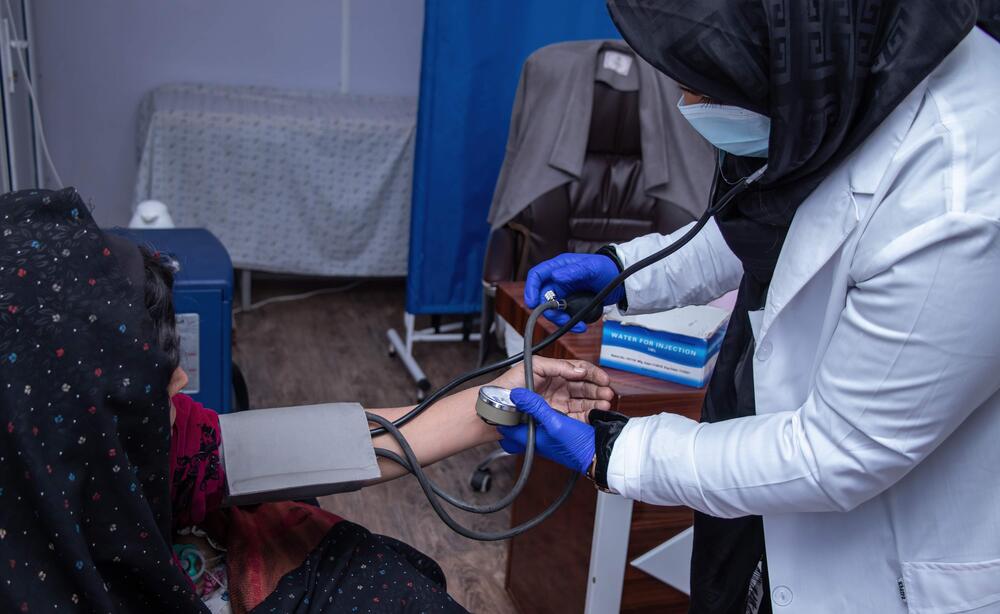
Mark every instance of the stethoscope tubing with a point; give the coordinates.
(409, 459)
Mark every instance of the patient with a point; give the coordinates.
(102, 460)
(259, 551)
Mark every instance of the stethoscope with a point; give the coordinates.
(496, 409)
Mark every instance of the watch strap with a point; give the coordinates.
(610, 252)
(607, 426)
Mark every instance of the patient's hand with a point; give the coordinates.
(572, 386)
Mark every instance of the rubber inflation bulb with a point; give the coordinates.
(578, 301)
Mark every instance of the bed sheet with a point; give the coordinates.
(310, 183)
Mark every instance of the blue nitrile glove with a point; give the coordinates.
(558, 437)
(569, 273)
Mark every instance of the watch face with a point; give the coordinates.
(497, 397)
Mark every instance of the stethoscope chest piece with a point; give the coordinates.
(495, 407)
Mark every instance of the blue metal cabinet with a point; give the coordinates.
(203, 298)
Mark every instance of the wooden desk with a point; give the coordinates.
(548, 566)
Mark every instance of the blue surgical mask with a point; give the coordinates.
(732, 129)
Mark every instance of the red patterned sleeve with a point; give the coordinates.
(197, 475)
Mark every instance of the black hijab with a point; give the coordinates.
(84, 420)
(827, 74)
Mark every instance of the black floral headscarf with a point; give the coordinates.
(827, 73)
(84, 421)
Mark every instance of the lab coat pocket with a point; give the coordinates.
(939, 588)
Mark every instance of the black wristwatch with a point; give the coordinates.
(610, 252)
(607, 426)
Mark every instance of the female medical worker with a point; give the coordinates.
(852, 425)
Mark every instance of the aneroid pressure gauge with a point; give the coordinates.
(495, 407)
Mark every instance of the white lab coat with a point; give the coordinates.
(874, 457)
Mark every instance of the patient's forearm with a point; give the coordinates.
(447, 427)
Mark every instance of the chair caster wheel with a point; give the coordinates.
(421, 395)
(392, 351)
(481, 481)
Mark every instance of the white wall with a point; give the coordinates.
(96, 59)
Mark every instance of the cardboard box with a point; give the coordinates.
(679, 345)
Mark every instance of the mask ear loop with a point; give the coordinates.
(722, 172)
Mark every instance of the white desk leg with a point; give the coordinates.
(608, 554)
(245, 288)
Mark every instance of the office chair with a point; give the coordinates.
(607, 204)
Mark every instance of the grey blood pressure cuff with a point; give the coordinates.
(610, 252)
(296, 452)
(607, 426)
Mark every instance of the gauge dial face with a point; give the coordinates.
(497, 396)
(495, 407)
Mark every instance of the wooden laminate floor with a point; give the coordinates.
(333, 347)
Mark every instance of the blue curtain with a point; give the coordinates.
(472, 57)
